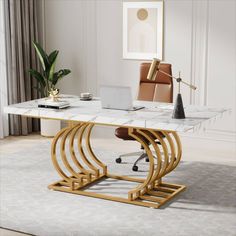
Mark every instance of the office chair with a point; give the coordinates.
(159, 90)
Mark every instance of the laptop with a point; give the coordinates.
(117, 97)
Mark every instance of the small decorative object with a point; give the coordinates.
(86, 96)
(53, 94)
(48, 79)
(142, 30)
(178, 112)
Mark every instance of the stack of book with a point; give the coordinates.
(53, 105)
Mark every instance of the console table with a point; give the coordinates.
(88, 170)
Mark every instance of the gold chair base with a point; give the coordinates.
(79, 170)
(154, 198)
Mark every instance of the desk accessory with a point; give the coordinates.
(86, 96)
(117, 98)
(178, 112)
(53, 105)
(53, 94)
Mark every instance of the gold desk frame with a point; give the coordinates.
(150, 192)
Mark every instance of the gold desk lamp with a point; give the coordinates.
(178, 112)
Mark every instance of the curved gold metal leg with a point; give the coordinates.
(165, 152)
(77, 179)
(54, 155)
(135, 193)
(82, 154)
(89, 148)
(150, 192)
(171, 158)
(159, 165)
(152, 189)
(72, 152)
(178, 153)
(64, 157)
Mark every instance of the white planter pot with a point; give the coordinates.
(49, 128)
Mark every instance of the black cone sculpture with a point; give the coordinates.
(178, 112)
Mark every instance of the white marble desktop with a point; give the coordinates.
(155, 115)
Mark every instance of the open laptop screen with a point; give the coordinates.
(116, 97)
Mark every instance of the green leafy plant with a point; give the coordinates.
(48, 78)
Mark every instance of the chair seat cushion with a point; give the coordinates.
(122, 133)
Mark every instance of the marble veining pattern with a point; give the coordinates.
(154, 116)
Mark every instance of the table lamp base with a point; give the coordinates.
(178, 112)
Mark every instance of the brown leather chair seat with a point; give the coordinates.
(123, 134)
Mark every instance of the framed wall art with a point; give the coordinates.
(142, 30)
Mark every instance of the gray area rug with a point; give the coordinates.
(207, 207)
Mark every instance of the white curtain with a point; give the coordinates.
(21, 29)
(4, 129)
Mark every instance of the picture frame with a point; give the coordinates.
(143, 30)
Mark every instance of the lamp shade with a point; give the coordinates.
(153, 69)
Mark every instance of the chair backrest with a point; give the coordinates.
(159, 90)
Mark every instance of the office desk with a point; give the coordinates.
(87, 169)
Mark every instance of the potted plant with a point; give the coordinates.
(47, 80)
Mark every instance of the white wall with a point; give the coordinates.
(199, 40)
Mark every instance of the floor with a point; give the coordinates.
(195, 149)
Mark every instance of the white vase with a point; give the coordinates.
(49, 128)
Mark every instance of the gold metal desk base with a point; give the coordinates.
(154, 198)
(86, 169)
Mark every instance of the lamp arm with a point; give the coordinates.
(178, 80)
(171, 76)
(190, 85)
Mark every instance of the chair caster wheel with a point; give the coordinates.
(118, 160)
(147, 159)
(135, 168)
